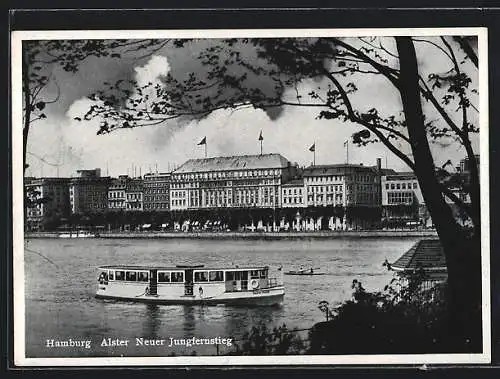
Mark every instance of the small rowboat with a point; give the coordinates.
(306, 272)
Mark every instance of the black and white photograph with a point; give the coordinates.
(251, 197)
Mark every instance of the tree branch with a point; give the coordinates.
(387, 71)
(464, 44)
(354, 118)
(433, 44)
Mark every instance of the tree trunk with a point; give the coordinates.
(462, 252)
(26, 127)
(27, 107)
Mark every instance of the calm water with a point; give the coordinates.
(60, 279)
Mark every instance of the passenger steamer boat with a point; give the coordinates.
(190, 285)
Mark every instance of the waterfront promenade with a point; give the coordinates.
(324, 234)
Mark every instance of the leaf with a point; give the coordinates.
(40, 105)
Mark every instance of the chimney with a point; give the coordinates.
(379, 164)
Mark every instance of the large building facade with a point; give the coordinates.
(402, 201)
(401, 188)
(293, 194)
(157, 192)
(117, 193)
(342, 185)
(88, 192)
(48, 200)
(134, 195)
(246, 181)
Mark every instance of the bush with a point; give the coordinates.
(278, 341)
(407, 317)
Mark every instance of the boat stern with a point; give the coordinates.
(102, 283)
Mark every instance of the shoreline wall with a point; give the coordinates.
(255, 235)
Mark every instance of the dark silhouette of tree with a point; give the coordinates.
(436, 109)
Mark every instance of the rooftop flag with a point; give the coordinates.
(204, 142)
(313, 150)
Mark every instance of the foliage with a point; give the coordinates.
(33, 197)
(406, 317)
(263, 341)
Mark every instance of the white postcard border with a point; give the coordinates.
(17, 201)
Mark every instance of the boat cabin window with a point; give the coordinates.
(163, 277)
(131, 276)
(111, 275)
(119, 275)
(143, 276)
(201, 276)
(177, 277)
(254, 274)
(236, 275)
(216, 276)
(263, 273)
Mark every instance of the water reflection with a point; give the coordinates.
(153, 320)
(189, 319)
(238, 320)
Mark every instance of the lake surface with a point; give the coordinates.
(61, 279)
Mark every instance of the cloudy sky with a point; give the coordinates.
(59, 145)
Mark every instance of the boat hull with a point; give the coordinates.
(269, 297)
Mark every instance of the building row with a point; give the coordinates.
(246, 181)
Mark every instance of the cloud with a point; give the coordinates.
(152, 71)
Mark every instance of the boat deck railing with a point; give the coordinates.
(273, 282)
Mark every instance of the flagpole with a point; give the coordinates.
(205, 149)
(314, 154)
(260, 140)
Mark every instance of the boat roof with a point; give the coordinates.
(427, 254)
(180, 267)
